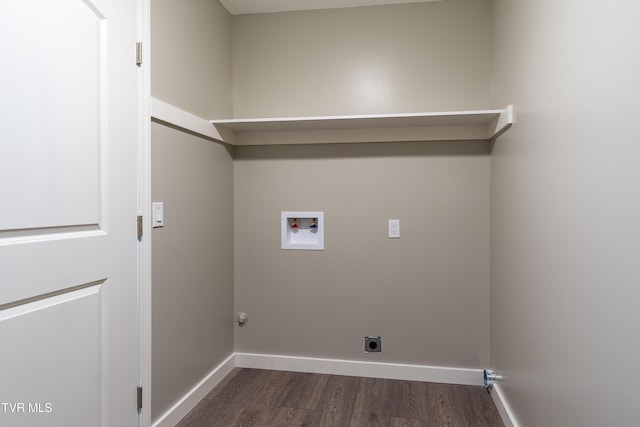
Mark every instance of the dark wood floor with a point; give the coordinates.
(262, 398)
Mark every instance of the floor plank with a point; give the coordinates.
(374, 403)
(290, 417)
(304, 390)
(264, 398)
(337, 402)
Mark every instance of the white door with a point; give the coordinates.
(68, 192)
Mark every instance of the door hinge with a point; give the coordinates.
(139, 227)
(139, 398)
(139, 54)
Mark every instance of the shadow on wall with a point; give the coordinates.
(358, 150)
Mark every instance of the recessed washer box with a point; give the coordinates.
(302, 230)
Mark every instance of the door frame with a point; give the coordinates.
(144, 209)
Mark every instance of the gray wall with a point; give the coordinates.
(386, 59)
(426, 294)
(192, 272)
(191, 56)
(192, 260)
(565, 212)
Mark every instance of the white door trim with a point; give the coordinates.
(144, 209)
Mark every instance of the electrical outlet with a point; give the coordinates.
(373, 344)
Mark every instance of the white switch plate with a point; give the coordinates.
(158, 214)
(394, 228)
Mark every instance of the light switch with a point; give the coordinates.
(158, 214)
(394, 228)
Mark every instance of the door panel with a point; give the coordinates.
(52, 120)
(61, 351)
(68, 195)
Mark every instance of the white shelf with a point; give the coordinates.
(482, 125)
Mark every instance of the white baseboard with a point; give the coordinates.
(359, 368)
(196, 394)
(504, 410)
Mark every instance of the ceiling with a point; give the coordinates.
(240, 7)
